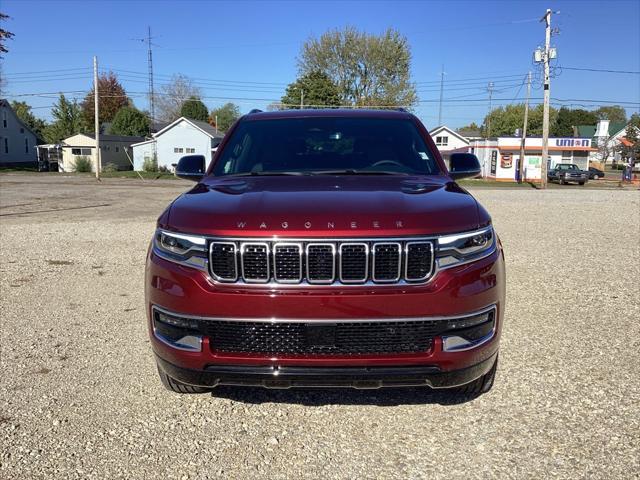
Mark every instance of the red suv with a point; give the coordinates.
(326, 248)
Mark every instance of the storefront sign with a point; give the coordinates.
(494, 161)
(505, 161)
(573, 142)
(533, 162)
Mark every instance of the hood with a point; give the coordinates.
(324, 206)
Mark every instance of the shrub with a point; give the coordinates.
(150, 165)
(110, 167)
(83, 164)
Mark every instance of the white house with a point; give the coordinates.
(499, 157)
(181, 137)
(447, 139)
(115, 150)
(17, 141)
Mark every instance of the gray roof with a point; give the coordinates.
(116, 138)
(207, 128)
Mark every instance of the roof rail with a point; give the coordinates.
(255, 110)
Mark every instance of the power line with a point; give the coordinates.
(600, 70)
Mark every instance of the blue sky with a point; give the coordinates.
(246, 52)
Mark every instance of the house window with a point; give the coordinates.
(6, 145)
(178, 150)
(117, 148)
(4, 119)
(26, 145)
(190, 150)
(21, 130)
(80, 151)
(442, 141)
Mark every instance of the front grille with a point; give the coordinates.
(348, 262)
(343, 338)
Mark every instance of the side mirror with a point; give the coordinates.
(463, 165)
(191, 167)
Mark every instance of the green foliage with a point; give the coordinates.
(110, 167)
(67, 121)
(23, 112)
(130, 121)
(318, 89)
(83, 164)
(226, 115)
(369, 70)
(632, 134)
(4, 34)
(505, 120)
(195, 110)
(568, 118)
(150, 165)
(111, 98)
(613, 113)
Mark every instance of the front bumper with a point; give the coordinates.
(456, 291)
(327, 377)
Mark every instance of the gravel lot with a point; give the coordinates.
(80, 397)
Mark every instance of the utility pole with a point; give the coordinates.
(545, 112)
(524, 131)
(97, 116)
(441, 90)
(490, 88)
(301, 98)
(150, 67)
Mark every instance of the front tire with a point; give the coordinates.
(175, 386)
(480, 385)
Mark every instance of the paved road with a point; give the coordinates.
(79, 396)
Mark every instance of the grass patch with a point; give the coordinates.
(145, 175)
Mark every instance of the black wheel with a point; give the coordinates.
(478, 386)
(179, 387)
(560, 180)
(581, 183)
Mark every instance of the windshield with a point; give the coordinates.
(326, 145)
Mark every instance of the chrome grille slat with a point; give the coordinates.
(332, 261)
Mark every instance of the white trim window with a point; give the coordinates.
(178, 150)
(81, 151)
(26, 144)
(190, 150)
(4, 118)
(442, 141)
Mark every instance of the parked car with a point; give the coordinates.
(326, 248)
(564, 173)
(595, 174)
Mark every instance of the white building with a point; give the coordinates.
(17, 141)
(499, 157)
(181, 137)
(447, 139)
(115, 150)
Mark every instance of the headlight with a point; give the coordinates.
(188, 250)
(465, 247)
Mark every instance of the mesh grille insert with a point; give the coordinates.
(419, 260)
(386, 257)
(223, 261)
(353, 262)
(288, 263)
(320, 263)
(255, 262)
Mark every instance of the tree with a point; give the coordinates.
(68, 120)
(630, 149)
(471, 126)
(4, 34)
(171, 97)
(369, 70)
(23, 112)
(111, 98)
(194, 109)
(130, 121)
(226, 115)
(613, 113)
(319, 91)
(568, 118)
(506, 120)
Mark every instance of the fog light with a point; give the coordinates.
(177, 332)
(469, 332)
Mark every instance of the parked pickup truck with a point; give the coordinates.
(326, 248)
(564, 173)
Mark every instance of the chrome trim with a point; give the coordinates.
(333, 266)
(432, 265)
(194, 261)
(235, 259)
(373, 262)
(243, 246)
(275, 266)
(366, 265)
(329, 320)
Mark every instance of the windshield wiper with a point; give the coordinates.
(265, 174)
(352, 171)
